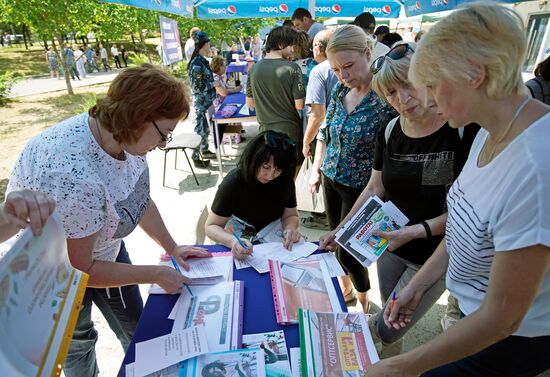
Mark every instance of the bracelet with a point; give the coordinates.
(427, 229)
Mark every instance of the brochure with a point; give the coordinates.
(301, 284)
(168, 350)
(238, 363)
(273, 345)
(335, 344)
(202, 271)
(356, 235)
(40, 297)
(219, 307)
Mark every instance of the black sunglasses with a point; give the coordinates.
(395, 53)
(165, 138)
(276, 140)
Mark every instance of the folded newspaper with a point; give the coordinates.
(356, 236)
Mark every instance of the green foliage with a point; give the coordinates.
(88, 100)
(179, 70)
(139, 59)
(6, 81)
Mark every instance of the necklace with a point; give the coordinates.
(506, 131)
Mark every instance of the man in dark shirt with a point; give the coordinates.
(275, 86)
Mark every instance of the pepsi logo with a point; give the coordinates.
(283, 8)
(446, 2)
(232, 10)
(386, 9)
(417, 5)
(336, 9)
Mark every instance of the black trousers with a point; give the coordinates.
(339, 199)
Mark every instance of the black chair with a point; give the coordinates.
(183, 142)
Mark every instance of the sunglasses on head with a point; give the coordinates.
(395, 53)
(277, 140)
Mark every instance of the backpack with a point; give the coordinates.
(391, 124)
(540, 89)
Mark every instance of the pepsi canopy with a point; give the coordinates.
(179, 7)
(350, 8)
(215, 9)
(418, 7)
(212, 9)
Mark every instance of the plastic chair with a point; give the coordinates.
(183, 142)
(199, 230)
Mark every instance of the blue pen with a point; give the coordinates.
(175, 264)
(178, 269)
(237, 237)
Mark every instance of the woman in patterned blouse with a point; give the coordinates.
(345, 143)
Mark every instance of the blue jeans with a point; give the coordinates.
(81, 358)
(515, 356)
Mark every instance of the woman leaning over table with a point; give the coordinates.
(417, 157)
(259, 191)
(496, 255)
(93, 165)
(345, 143)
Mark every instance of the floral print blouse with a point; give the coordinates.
(350, 138)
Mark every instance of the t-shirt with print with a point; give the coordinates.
(417, 174)
(321, 82)
(274, 84)
(497, 208)
(256, 203)
(94, 192)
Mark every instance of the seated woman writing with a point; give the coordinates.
(259, 191)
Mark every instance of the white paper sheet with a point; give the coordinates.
(203, 271)
(244, 110)
(275, 251)
(333, 266)
(295, 362)
(158, 353)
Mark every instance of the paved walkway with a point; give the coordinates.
(45, 84)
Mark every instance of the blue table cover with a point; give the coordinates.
(259, 311)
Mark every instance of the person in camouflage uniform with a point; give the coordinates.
(204, 93)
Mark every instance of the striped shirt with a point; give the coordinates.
(500, 207)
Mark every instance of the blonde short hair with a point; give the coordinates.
(486, 33)
(393, 73)
(350, 38)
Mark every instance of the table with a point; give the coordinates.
(259, 311)
(236, 98)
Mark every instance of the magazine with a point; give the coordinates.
(301, 284)
(356, 235)
(335, 344)
(40, 297)
(219, 307)
(238, 363)
(273, 345)
(202, 271)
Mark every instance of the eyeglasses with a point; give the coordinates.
(165, 138)
(396, 53)
(276, 140)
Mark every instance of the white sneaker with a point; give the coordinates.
(447, 321)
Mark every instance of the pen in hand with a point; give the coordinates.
(237, 237)
(175, 264)
(392, 302)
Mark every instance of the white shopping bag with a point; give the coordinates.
(307, 201)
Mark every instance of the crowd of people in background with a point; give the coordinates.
(82, 60)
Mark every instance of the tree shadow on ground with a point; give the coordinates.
(206, 181)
